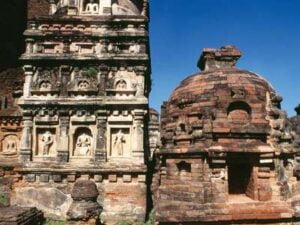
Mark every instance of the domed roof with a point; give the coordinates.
(222, 108)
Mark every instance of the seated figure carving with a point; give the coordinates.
(83, 145)
(45, 86)
(121, 85)
(92, 7)
(83, 84)
(10, 145)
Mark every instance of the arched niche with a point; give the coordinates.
(83, 142)
(121, 85)
(126, 7)
(239, 111)
(184, 170)
(91, 7)
(45, 85)
(10, 144)
(83, 84)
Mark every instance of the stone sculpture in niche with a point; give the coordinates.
(10, 144)
(92, 7)
(83, 84)
(45, 86)
(119, 142)
(47, 141)
(83, 145)
(121, 85)
(45, 80)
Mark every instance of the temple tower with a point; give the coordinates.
(85, 100)
(228, 153)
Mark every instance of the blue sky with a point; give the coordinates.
(266, 31)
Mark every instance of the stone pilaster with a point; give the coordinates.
(28, 71)
(100, 154)
(63, 141)
(65, 76)
(26, 138)
(140, 86)
(104, 70)
(29, 45)
(138, 135)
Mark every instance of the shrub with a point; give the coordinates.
(4, 199)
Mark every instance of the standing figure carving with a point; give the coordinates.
(119, 142)
(83, 145)
(47, 140)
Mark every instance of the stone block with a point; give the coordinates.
(98, 178)
(71, 178)
(127, 178)
(85, 177)
(112, 178)
(44, 178)
(30, 177)
(264, 194)
(142, 178)
(57, 178)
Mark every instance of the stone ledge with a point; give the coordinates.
(20, 216)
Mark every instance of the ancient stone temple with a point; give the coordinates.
(84, 110)
(227, 153)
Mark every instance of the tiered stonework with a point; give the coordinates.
(295, 121)
(83, 107)
(20, 216)
(227, 152)
(154, 132)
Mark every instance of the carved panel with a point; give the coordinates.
(83, 142)
(45, 82)
(83, 82)
(45, 142)
(120, 143)
(10, 145)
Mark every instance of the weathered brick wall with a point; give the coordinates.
(37, 8)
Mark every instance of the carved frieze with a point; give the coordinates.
(83, 82)
(45, 82)
(10, 144)
(45, 140)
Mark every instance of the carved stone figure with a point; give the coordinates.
(121, 85)
(83, 84)
(119, 142)
(92, 7)
(10, 144)
(83, 145)
(45, 86)
(47, 141)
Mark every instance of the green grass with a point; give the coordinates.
(54, 222)
(149, 222)
(4, 199)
